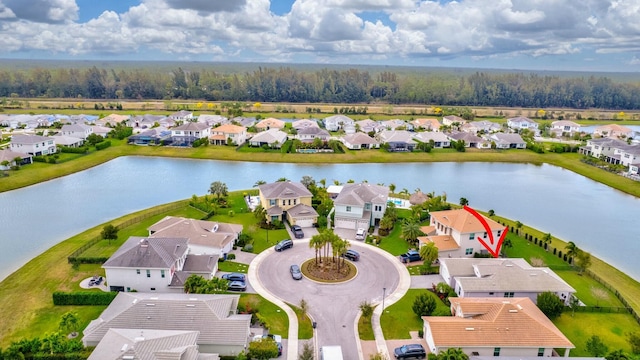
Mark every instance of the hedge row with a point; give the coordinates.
(87, 260)
(73, 150)
(83, 298)
(103, 145)
(68, 356)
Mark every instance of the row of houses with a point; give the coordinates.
(614, 151)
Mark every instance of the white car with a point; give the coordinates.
(360, 234)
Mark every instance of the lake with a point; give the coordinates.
(596, 217)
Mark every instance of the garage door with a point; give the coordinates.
(346, 224)
(305, 222)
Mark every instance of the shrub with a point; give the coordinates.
(550, 304)
(83, 298)
(231, 256)
(72, 150)
(424, 304)
(248, 248)
(103, 145)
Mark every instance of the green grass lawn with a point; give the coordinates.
(398, 319)
(365, 330)
(611, 328)
(277, 319)
(305, 329)
(232, 266)
(589, 291)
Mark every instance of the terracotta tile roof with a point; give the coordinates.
(230, 129)
(442, 242)
(462, 221)
(199, 232)
(270, 123)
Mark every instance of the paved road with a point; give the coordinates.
(333, 307)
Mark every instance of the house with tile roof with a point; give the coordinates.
(502, 278)
(522, 123)
(13, 158)
(270, 123)
(428, 124)
(613, 131)
(187, 133)
(287, 200)
(470, 140)
(310, 134)
(368, 125)
(604, 148)
(182, 115)
(438, 139)
(336, 122)
(455, 233)
(495, 327)
(359, 141)
(220, 329)
(303, 124)
(112, 120)
(213, 119)
(35, 145)
(566, 127)
(360, 205)
(507, 141)
(450, 120)
(482, 126)
(221, 135)
(397, 124)
(397, 140)
(80, 131)
(205, 237)
(68, 141)
(272, 138)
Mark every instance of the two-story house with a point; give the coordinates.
(33, 144)
(360, 205)
(613, 131)
(290, 201)
(80, 131)
(603, 148)
(182, 115)
(565, 127)
(455, 233)
(187, 133)
(226, 133)
(522, 123)
(337, 122)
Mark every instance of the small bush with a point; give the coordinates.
(231, 256)
(103, 145)
(248, 248)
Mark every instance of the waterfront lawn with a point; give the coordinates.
(398, 319)
(611, 328)
(527, 250)
(232, 266)
(276, 318)
(588, 289)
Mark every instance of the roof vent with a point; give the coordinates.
(509, 265)
(154, 298)
(513, 311)
(469, 329)
(124, 347)
(144, 243)
(215, 228)
(150, 304)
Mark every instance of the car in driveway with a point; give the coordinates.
(284, 245)
(297, 231)
(409, 351)
(360, 234)
(235, 277)
(351, 255)
(237, 286)
(410, 256)
(296, 274)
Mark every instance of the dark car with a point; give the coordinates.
(235, 277)
(284, 244)
(352, 255)
(410, 256)
(297, 231)
(296, 274)
(237, 286)
(410, 351)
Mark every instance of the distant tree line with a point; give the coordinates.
(348, 86)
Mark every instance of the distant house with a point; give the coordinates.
(368, 125)
(80, 131)
(397, 140)
(359, 141)
(522, 123)
(273, 138)
(455, 233)
(360, 205)
(495, 327)
(244, 121)
(470, 140)
(221, 330)
(604, 148)
(613, 131)
(33, 144)
(101, 130)
(270, 123)
(507, 141)
(112, 120)
(483, 126)
(561, 127)
(303, 124)
(502, 278)
(309, 134)
(148, 121)
(154, 136)
(439, 139)
(450, 120)
(182, 115)
(287, 200)
(428, 124)
(336, 122)
(396, 124)
(222, 134)
(213, 120)
(187, 133)
(118, 344)
(68, 141)
(13, 158)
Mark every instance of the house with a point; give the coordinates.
(359, 141)
(428, 124)
(565, 127)
(270, 123)
(396, 124)
(629, 155)
(360, 205)
(182, 115)
(120, 344)
(455, 233)
(213, 120)
(288, 200)
(144, 264)
(613, 131)
(273, 138)
(33, 144)
(438, 139)
(604, 148)
(495, 327)
(148, 121)
(502, 278)
(303, 124)
(68, 141)
(221, 330)
(154, 136)
(470, 140)
(349, 128)
(482, 126)
(10, 158)
(507, 141)
(205, 237)
(187, 133)
(244, 121)
(397, 140)
(101, 130)
(336, 122)
(522, 123)
(80, 131)
(226, 133)
(368, 125)
(309, 134)
(452, 120)
(112, 120)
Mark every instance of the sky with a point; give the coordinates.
(586, 35)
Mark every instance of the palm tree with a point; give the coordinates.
(429, 253)
(506, 244)
(572, 250)
(392, 188)
(282, 179)
(219, 189)
(546, 239)
(411, 231)
(317, 242)
(259, 182)
(323, 182)
(452, 354)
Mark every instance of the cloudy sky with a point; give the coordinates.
(597, 35)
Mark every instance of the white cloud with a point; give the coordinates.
(45, 11)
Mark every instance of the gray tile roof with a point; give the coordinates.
(199, 232)
(507, 138)
(211, 315)
(284, 190)
(270, 136)
(9, 155)
(118, 344)
(431, 135)
(200, 263)
(402, 136)
(192, 126)
(29, 139)
(302, 210)
(359, 138)
(361, 193)
(141, 252)
(313, 130)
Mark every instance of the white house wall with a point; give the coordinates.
(131, 280)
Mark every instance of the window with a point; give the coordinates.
(468, 251)
(508, 294)
(367, 206)
(162, 274)
(485, 235)
(378, 208)
(472, 236)
(283, 202)
(499, 232)
(348, 208)
(138, 271)
(496, 351)
(295, 201)
(153, 289)
(148, 273)
(491, 293)
(540, 351)
(289, 202)
(272, 202)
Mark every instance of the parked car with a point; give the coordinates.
(351, 255)
(410, 351)
(284, 244)
(410, 256)
(297, 231)
(235, 277)
(237, 286)
(360, 234)
(296, 274)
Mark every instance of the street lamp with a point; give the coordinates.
(384, 292)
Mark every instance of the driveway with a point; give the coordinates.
(334, 307)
